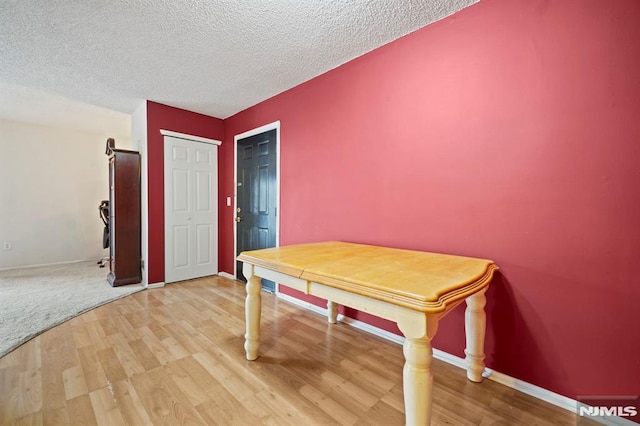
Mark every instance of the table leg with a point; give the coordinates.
(417, 377)
(252, 314)
(475, 326)
(332, 312)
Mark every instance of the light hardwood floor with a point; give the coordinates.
(174, 355)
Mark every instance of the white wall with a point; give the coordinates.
(52, 180)
(139, 143)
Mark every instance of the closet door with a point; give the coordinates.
(191, 209)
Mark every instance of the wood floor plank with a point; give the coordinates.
(184, 337)
(283, 375)
(189, 387)
(113, 370)
(131, 407)
(342, 387)
(105, 407)
(163, 400)
(143, 354)
(226, 411)
(96, 335)
(155, 346)
(394, 398)
(108, 326)
(174, 355)
(80, 334)
(92, 369)
(137, 319)
(383, 414)
(75, 384)
(53, 357)
(232, 382)
(366, 378)
(176, 350)
(9, 384)
(34, 419)
(80, 411)
(59, 416)
(330, 406)
(125, 328)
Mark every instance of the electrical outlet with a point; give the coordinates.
(7, 245)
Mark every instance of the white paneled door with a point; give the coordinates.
(190, 208)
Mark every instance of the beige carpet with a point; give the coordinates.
(32, 300)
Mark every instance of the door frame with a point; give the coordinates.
(190, 138)
(262, 129)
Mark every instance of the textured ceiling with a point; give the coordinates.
(216, 57)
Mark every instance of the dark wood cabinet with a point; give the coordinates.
(124, 218)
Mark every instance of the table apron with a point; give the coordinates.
(360, 302)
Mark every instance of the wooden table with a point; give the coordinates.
(414, 289)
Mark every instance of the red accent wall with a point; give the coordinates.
(159, 117)
(509, 131)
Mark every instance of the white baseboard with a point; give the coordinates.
(227, 275)
(50, 264)
(533, 390)
(156, 285)
(520, 385)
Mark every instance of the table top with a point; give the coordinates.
(422, 281)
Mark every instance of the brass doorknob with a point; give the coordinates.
(238, 219)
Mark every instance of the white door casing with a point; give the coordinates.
(191, 207)
(236, 138)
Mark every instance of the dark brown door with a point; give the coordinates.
(256, 213)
